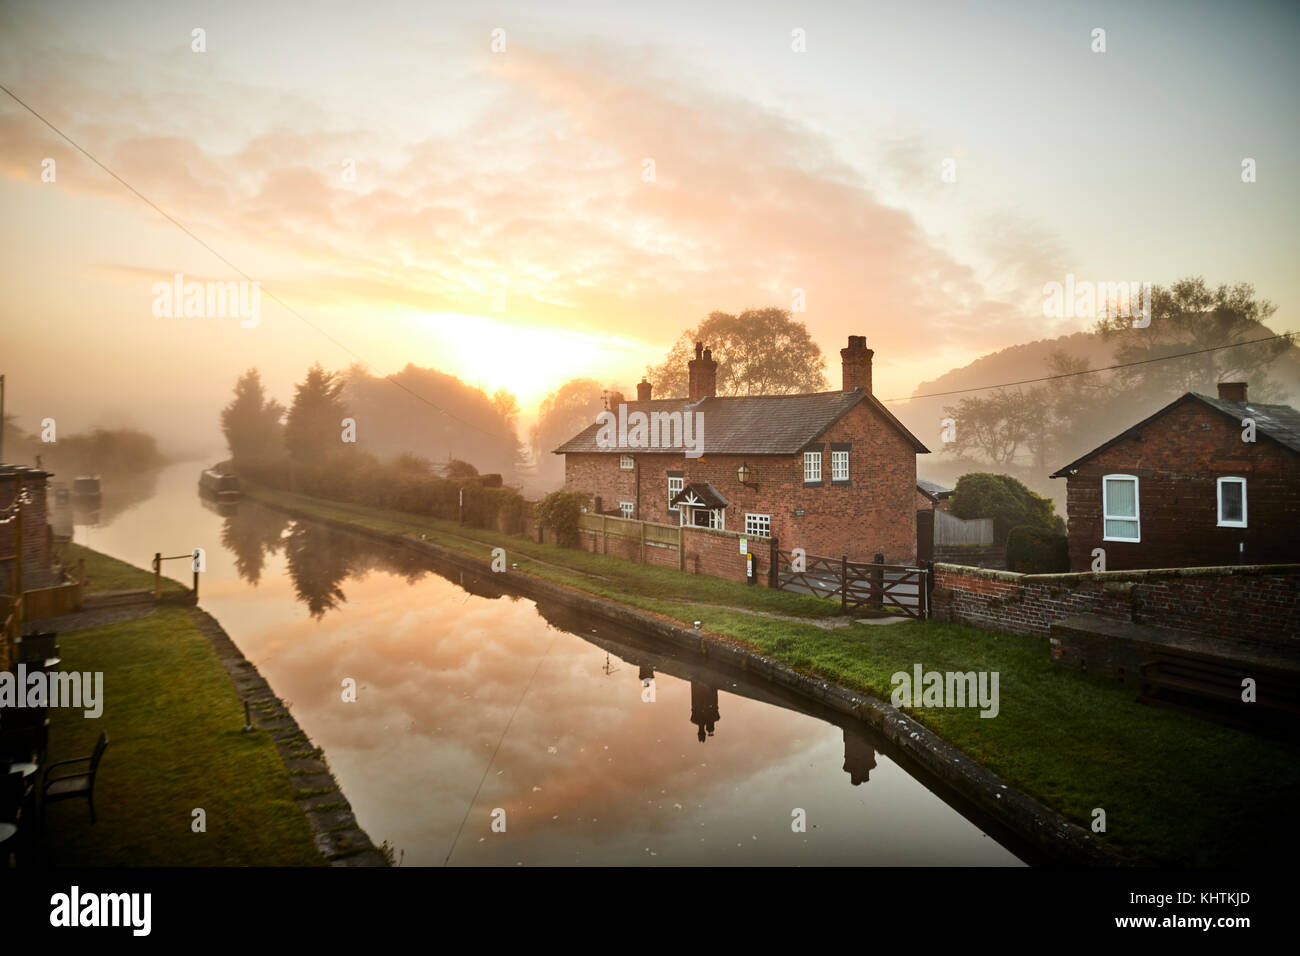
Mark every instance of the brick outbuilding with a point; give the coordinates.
(1202, 482)
(831, 472)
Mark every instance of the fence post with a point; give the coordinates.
(157, 575)
(196, 587)
(878, 583)
(681, 547)
(642, 527)
(772, 580)
(929, 586)
(844, 584)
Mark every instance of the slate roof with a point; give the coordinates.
(700, 491)
(933, 489)
(750, 424)
(1280, 423)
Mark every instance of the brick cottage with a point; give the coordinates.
(831, 472)
(1184, 488)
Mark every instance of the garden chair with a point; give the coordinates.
(76, 784)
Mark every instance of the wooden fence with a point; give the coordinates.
(644, 533)
(951, 530)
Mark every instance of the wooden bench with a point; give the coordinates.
(1212, 684)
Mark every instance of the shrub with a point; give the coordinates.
(1004, 499)
(1032, 550)
(560, 511)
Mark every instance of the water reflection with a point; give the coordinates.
(576, 726)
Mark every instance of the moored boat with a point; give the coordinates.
(218, 485)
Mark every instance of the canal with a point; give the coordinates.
(599, 747)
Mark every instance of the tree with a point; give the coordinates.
(1004, 499)
(759, 352)
(251, 422)
(1188, 316)
(314, 426)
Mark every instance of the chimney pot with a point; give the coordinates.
(702, 374)
(1233, 392)
(643, 391)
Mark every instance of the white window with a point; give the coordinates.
(760, 526)
(675, 485)
(839, 466)
(625, 462)
(707, 518)
(1119, 506)
(812, 466)
(627, 508)
(1232, 502)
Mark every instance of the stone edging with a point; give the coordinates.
(335, 830)
(1107, 577)
(1051, 834)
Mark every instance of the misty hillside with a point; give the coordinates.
(1113, 413)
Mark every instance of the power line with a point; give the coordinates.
(271, 295)
(1090, 371)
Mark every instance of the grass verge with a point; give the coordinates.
(176, 745)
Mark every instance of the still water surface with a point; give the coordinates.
(469, 700)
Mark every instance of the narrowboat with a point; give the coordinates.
(220, 486)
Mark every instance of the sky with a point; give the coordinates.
(412, 194)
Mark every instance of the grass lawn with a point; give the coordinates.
(1176, 789)
(176, 744)
(109, 574)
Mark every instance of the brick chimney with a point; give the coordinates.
(857, 364)
(703, 374)
(1233, 392)
(643, 391)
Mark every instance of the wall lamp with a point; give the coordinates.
(747, 476)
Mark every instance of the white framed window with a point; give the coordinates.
(625, 462)
(839, 466)
(1119, 508)
(759, 526)
(714, 518)
(627, 508)
(1232, 502)
(812, 466)
(675, 485)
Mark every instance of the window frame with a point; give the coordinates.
(1218, 502)
(809, 456)
(626, 463)
(680, 478)
(1135, 517)
(750, 532)
(628, 509)
(836, 452)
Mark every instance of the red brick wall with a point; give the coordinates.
(37, 553)
(1177, 460)
(1246, 603)
(715, 553)
(875, 512)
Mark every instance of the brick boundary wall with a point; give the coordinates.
(1252, 602)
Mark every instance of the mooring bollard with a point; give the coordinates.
(248, 718)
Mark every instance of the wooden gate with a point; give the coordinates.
(896, 588)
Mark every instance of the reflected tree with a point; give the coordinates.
(251, 533)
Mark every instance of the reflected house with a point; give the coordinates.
(859, 757)
(704, 709)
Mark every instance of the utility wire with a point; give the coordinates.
(1091, 371)
(271, 295)
(474, 799)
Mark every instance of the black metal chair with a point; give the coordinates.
(78, 784)
(16, 802)
(39, 650)
(24, 734)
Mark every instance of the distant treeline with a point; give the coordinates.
(114, 452)
(315, 447)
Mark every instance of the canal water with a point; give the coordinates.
(599, 748)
